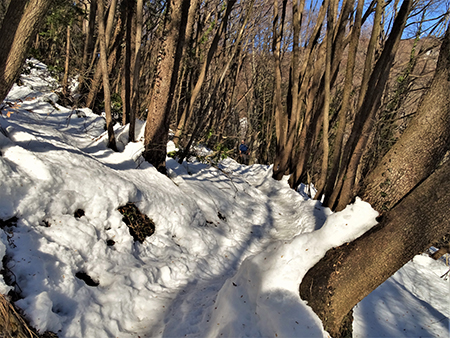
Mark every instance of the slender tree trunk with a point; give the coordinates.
(376, 31)
(326, 103)
(66, 65)
(207, 111)
(112, 60)
(184, 118)
(348, 87)
(303, 146)
(293, 113)
(106, 88)
(88, 45)
(281, 119)
(205, 66)
(110, 22)
(364, 119)
(157, 127)
(16, 36)
(137, 68)
(126, 115)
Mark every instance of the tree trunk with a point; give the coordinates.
(281, 119)
(112, 60)
(157, 127)
(137, 68)
(126, 82)
(205, 66)
(88, 45)
(417, 215)
(188, 79)
(106, 88)
(421, 147)
(326, 102)
(364, 120)
(16, 35)
(66, 65)
(348, 87)
(349, 273)
(282, 156)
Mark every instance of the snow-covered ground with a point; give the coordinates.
(230, 248)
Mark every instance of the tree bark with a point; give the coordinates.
(326, 102)
(66, 65)
(348, 87)
(349, 273)
(112, 60)
(106, 87)
(137, 68)
(281, 119)
(126, 82)
(88, 45)
(205, 66)
(282, 156)
(157, 127)
(364, 120)
(421, 147)
(416, 218)
(16, 35)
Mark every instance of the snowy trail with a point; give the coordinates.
(230, 248)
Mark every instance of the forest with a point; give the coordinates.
(350, 96)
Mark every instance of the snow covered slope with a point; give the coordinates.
(230, 248)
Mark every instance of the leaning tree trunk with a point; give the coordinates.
(16, 35)
(157, 127)
(418, 216)
(424, 144)
(365, 118)
(349, 273)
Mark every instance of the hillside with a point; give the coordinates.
(228, 252)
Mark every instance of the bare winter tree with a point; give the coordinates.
(414, 205)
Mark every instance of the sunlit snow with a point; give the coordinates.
(230, 248)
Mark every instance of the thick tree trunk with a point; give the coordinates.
(421, 147)
(349, 273)
(16, 35)
(157, 127)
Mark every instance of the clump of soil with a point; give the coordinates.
(78, 213)
(86, 278)
(11, 222)
(140, 225)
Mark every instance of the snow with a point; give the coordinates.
(230, 248)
